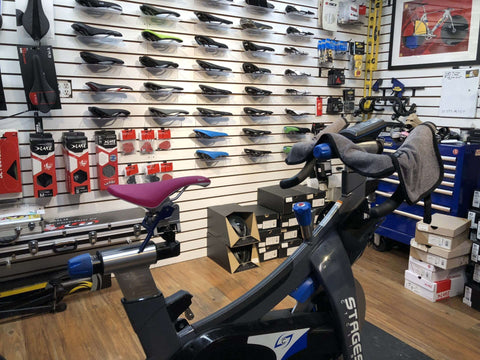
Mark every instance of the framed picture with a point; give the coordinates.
(433, 33)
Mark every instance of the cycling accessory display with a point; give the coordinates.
(208, 134)
(151, 173)
(295, 130)
(349, 101)
(150, 86)
(211, 19)
(98, 4)
(260, 3)
(42, 150)
(107, 158)
(255, 132)
(250, 68)
(34, 20)
(130, 171)
(167, 112)
(147, 141)
(39, 78)
(153, 36)
(297, 92)
(77, 165)
(255, 153)
(294, 51)
(91, 58)
(208, 66)
(251, 46)
(210, 155)
(209, 42)
(213, 113)
(294, 113)
(254, 91)
(104, 113)
(334, 106)
(154, 11)
(128, 139)
(86, 30)
(256, 112)
(336, 77)
(209, 90)
(150, 62)
(290, 72)
(289, 9)
(294, 31)
(10, 172)
(253, 25)
(104, 88)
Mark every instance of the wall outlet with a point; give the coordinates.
(65, 88)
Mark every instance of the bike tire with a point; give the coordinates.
(452, 38)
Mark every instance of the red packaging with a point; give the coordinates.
(107, 158)
(151, 171)
(77, 165)
(166, 167)
(319, 106)
(10, 174)
(128, 138)
(131, 170)
(164, 134)
(42, 149)
(147, 141)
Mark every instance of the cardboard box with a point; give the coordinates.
(474, 217)
(431, 272)
(219, 225)
(476, 199)
(278, 199)
(232, 259)
(266, 218)
(444, 259)
(444, 225)
(288, 220)
(444, 242)
(269, 237)
(475, 254)
(315, 196)
(290, 233)
(289, 247)
(434, 290)
(471, 296)
(268, 253)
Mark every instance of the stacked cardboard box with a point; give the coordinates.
(438, 256)
(471, 295)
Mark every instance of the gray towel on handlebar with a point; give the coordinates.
(302, 151)
(417, 161)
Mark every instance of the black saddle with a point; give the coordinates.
(260, 3)
(86, 30)
(294, 31)
(294, 113)
(293, 10)
(100, 4)
(91, 58)
(41, 95)
(147, 61)
(209, 90)
(255, 132)
(154, 11)
(34, 20)
(253, 152)
(256, 112)
(250, 46)
(108, 113)
(209, 42)
(166, 112)
(290, 72)
(159, 88)
(297, 92)
(252, 90)
(250, 24)
(102, 87)
(250, 68)
(210, 66)
(208, 18)
(294, 51)
(213, 113)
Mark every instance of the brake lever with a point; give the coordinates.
(307, 169)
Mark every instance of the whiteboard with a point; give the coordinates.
(459, 93)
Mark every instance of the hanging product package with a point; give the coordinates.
(10, 174)
(42, 149)
(39, 78)
(77, 166)
(107, 158)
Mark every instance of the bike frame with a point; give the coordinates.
(430, 33)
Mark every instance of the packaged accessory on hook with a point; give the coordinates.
(77, 165)
(34, 20)
(39, 78)
(334, 106)
(10, 174)
(131, 170)
(42, 149)
(147, 141)
(128, 139)
(107, 158)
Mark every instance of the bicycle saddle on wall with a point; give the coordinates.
(41, 95)
(86, 30)
(108, 113)
(100, 4)
(149, 62)
(154, 11)
(34, 20)
(91, 58)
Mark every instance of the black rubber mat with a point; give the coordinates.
(379, 345)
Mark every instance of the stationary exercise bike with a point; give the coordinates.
(325, 323)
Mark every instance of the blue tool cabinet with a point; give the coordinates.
(453, 196)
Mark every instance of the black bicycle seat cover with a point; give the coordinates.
(210, 90)
(34, 20)
(250, 24)
(209, 42)
(252, 90)
(41, 95)
(210, 66)
(149, 62)
(154, 11)
(208, 18)
(250, 68)
(100, 4)
(238, 224)
(167, 112)
(91, 58)
(108, 113)
(250, 46)
(86, 30)
(103, 87)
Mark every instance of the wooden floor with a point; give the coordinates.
(95, 326)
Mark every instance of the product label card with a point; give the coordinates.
(268, 224)
(272, 240)
(439, 241)
(271, 255)
(475, 252)
(318, 202)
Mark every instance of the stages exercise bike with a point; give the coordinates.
(326, 321)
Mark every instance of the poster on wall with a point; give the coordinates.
(433, 33)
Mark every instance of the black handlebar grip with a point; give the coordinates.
(302, 175)
(388, 206)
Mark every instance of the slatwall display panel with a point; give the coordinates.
(234, 179)
(428, 100)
